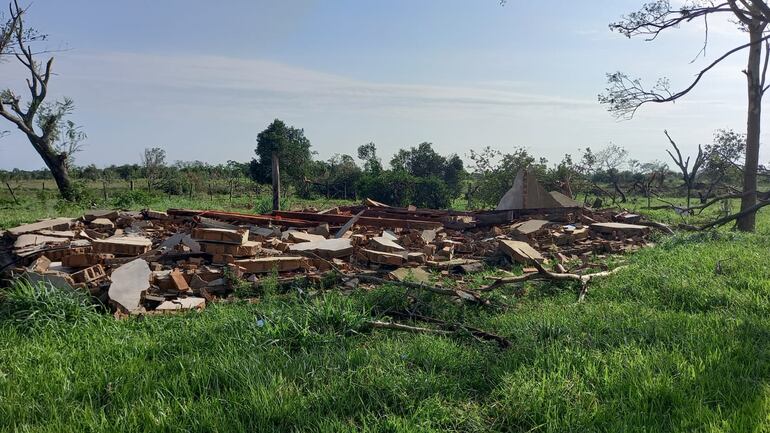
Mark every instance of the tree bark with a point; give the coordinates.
(747, 222)
(57, 164)
(276, 177)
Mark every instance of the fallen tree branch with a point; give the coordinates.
(479, 334)
(654, 224)
(724, 220)
(545, 274)
(400, 327)
(464, 294)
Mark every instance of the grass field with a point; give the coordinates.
(678, 341)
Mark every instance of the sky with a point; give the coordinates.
(201, 79)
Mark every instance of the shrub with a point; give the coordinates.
(399, 188)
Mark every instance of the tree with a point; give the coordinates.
(493, 173)
(423, 162)
(153, 162)
(688, 175)
(625, 95)
(290, 150)
(368, 154)
(40, 121)
(609, 161)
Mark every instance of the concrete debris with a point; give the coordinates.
(48, 224)
(237, 237)
(189, 303)
(182, 259)
(326, 248)
(128, 283)
(527, 193)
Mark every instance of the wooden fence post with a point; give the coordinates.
(15, 200)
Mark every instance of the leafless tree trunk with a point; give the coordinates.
(276, 177)
(26, 120)
(688, 176)
(755, 77)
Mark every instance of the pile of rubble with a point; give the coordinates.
(139, 262)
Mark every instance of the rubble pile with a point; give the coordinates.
(140, 262)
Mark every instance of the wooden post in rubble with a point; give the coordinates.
(276, 183)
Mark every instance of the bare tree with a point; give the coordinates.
(41, 122)
(625, 95)
(610, 160)
(688, 175)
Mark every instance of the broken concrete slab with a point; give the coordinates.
(384, 258)
(264, 232)
(519, 251)
(268, 264)
(387, 234)
(418, 275)
(526, 193)
(55, 279)
(91, 215)
(321, 230)
(123, 245)
(297, 236)
(326, 248)
(247, 249)
(385, 244)
(237, 237)
(31, 239)
(102, 224)
(69, 234)
(530, 227)
(188, 303)
(128, 283)
(181, 238)
(564, 200)
(626, 229)
(47, 224)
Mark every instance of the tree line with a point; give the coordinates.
(421, 176)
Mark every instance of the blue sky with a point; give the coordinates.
(202, 78)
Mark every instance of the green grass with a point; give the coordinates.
(678, 341)
(669, 344)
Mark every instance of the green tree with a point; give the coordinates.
(368, 154)
(424, 162)
(293, 150)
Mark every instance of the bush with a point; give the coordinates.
(399, 188)
(432, 192)
(128, 199)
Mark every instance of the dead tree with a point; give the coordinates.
(688, 175)
(625, 95)
(42, 123)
